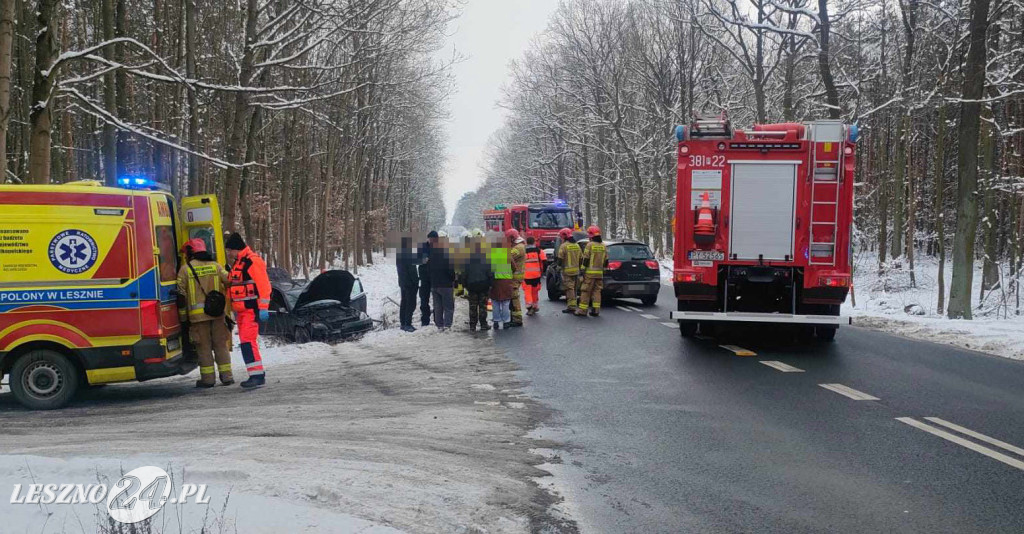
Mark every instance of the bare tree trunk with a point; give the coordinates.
(41, 116)
(940, 212)
(236, 145)
(824, 63)
(967, 165)
(6, 44)
(109, 98)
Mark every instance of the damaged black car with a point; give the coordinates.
(330, 308)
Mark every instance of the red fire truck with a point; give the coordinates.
(763, 226)
(540, 220)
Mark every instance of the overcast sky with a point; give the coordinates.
(490, 34)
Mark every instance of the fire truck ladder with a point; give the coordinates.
(824, 210)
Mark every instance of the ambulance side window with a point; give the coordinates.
(168, 253)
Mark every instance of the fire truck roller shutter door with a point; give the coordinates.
(763, 210)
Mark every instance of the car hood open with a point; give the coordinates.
(331, 285)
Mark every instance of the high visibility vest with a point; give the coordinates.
(570, 254)
(596, 255)
(534, 259)
(500, 264)
(250, 286)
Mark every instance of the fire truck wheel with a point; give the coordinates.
(649, 300)
(688, 328)
(44, 380)
(826, 333)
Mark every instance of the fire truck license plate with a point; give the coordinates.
(705, 255)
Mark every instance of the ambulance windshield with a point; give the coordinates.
(550, 219)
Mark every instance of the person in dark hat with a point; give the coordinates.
(424, 270)
(249, 292)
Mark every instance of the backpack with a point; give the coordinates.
(215, 302)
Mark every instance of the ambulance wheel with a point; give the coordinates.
(826, 333)
(44, 380)
(688, 328)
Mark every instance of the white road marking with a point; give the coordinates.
(962, 442)
(623, 308)
(976, 435)
(632, 308)
(848, 392)
(649, 316)
(739, 351)
(671, 325)
(785, 368)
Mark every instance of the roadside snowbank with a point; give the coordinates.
(422, 432)
(890, 302)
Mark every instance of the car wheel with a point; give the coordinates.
(44, 380)
(688, 328)
(301, 335)
(826, 333)
(649, 300)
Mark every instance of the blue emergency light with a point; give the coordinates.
(137, 182)
(560, 202)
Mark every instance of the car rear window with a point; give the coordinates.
(629, 252)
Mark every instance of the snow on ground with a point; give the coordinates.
(421, 432)
(890, 303)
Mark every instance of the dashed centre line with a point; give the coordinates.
(631, 308)
(649, 316)
(785, 368)
(976, 435)
(624, 308)
(948, 436)
(671, 325)
(847, 391)
(739, 351)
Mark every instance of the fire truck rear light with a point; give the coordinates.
(612, 265)
(848, 150)
(683, 149)
(150, 318)
(688, 277)
(651, 264)
(153, 360)
(834, 281)
(721, 146)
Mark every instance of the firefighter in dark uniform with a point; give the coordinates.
(568, 258)
(595, 259)
(199, 277)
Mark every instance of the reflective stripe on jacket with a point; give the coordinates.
(250, 286)
(595, 258)
(212, 277)
(535, 258)
(518, 259)
(570, 253)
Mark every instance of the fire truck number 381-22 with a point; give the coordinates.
(700, 160)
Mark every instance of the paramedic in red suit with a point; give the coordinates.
(250, 299)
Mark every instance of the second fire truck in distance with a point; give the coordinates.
(539, 220)
(763, 226)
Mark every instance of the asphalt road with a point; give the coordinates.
(665, 434)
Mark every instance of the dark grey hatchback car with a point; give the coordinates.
(632, 272)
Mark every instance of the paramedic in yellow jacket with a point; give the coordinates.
(211, 336)
(595, 259)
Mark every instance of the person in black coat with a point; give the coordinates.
(442, 283)
(477, 278)
(424, 268)
(408, 281)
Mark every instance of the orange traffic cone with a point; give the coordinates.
(704, 230)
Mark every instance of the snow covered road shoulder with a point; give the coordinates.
(423, 433)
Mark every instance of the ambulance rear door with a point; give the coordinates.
(200, 217)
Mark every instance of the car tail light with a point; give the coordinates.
(612, 265)
(834, 281)
(651, 264)
(688, 277)
(150, 315)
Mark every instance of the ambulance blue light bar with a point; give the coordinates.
(138, 182)
(560, 202)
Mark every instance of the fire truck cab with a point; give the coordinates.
(540, 220)
(763, 226)
(88, 284)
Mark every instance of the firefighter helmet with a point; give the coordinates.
(194, 246)
(593, 230)
(512, 234)
(565, 233)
